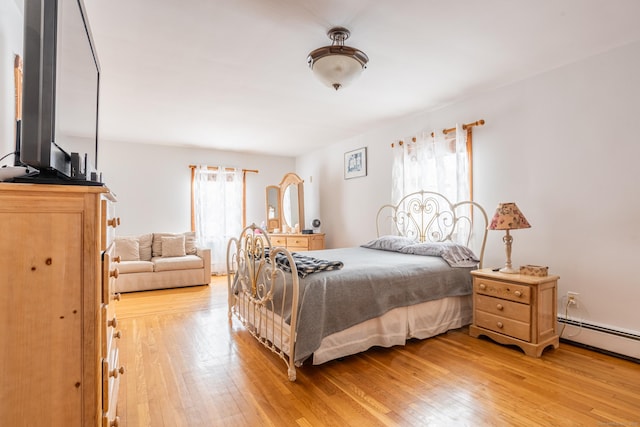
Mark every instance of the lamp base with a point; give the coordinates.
(509, 270)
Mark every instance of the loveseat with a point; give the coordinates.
(160, 261)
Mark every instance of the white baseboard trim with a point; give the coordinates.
(613, 340)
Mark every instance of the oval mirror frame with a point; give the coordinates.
(292, 199)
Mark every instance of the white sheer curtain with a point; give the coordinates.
(218, 210)
(439, 163)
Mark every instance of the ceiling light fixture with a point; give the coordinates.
(337, 65)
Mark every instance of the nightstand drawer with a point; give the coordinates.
(513, 328)
(503, 308)
(505, 290)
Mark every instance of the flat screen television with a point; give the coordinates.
(61, 85)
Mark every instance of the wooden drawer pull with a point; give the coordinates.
(116, 372)
(117, 296)
(113, 323)
(518, 293)
(117, 259)
(114, 273)
(500, 307)
(113, 222)
(482, 286)
(118, 335)
(500, 325)
(115, 422)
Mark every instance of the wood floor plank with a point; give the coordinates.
(187, 364)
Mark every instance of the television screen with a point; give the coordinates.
(76, 103)
(60, 93)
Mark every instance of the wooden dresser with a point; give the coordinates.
(515, 309)
(296, 242)
(59, 354)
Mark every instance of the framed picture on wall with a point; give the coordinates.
(355, 163)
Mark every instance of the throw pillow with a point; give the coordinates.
(156, 246)
(128, 249)
(173, 246)
(190, 242)
(145, 246)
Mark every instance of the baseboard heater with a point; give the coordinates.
(601, 329)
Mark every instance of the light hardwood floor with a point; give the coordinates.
(187, 365)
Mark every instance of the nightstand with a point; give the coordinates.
(515, 309)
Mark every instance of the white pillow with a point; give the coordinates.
(389, 243)
(128, 249)
(145, 246)
(190, 242)
(173, 246)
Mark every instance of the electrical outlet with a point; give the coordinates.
(572, 299)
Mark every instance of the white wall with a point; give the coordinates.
(152, 182)
(10, 45)
(563, 146)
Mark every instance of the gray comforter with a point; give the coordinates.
(371, 283)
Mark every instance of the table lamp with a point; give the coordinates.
(508, 217)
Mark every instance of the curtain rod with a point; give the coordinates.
(215, 168)
(465, 126)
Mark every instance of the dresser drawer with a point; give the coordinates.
(504, 290)
(278, 241)
(109, 223)
(316, 242)
(300, 243)
(111, 372)
(503, 308)
(109, 273)
(510, 327)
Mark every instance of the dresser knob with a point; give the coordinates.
(114, 273)
(113, 323)
(115, 422)
(518, 293)
(482, 286)
(500, 325)
(117, 259)
(118, 335)
(113, 222)
(499, 307)
(116, 372)
(117, 296)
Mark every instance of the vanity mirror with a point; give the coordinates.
(292, 203)
(285, 216)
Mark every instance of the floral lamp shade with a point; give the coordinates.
(508, 217)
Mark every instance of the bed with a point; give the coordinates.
(412, 281)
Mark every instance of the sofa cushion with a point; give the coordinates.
(186, 262)
(189, 242)
(125, 267)
(173, 246)
(128, 249)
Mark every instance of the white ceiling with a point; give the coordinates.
(232, 74)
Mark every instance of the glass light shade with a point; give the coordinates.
(337, 70)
